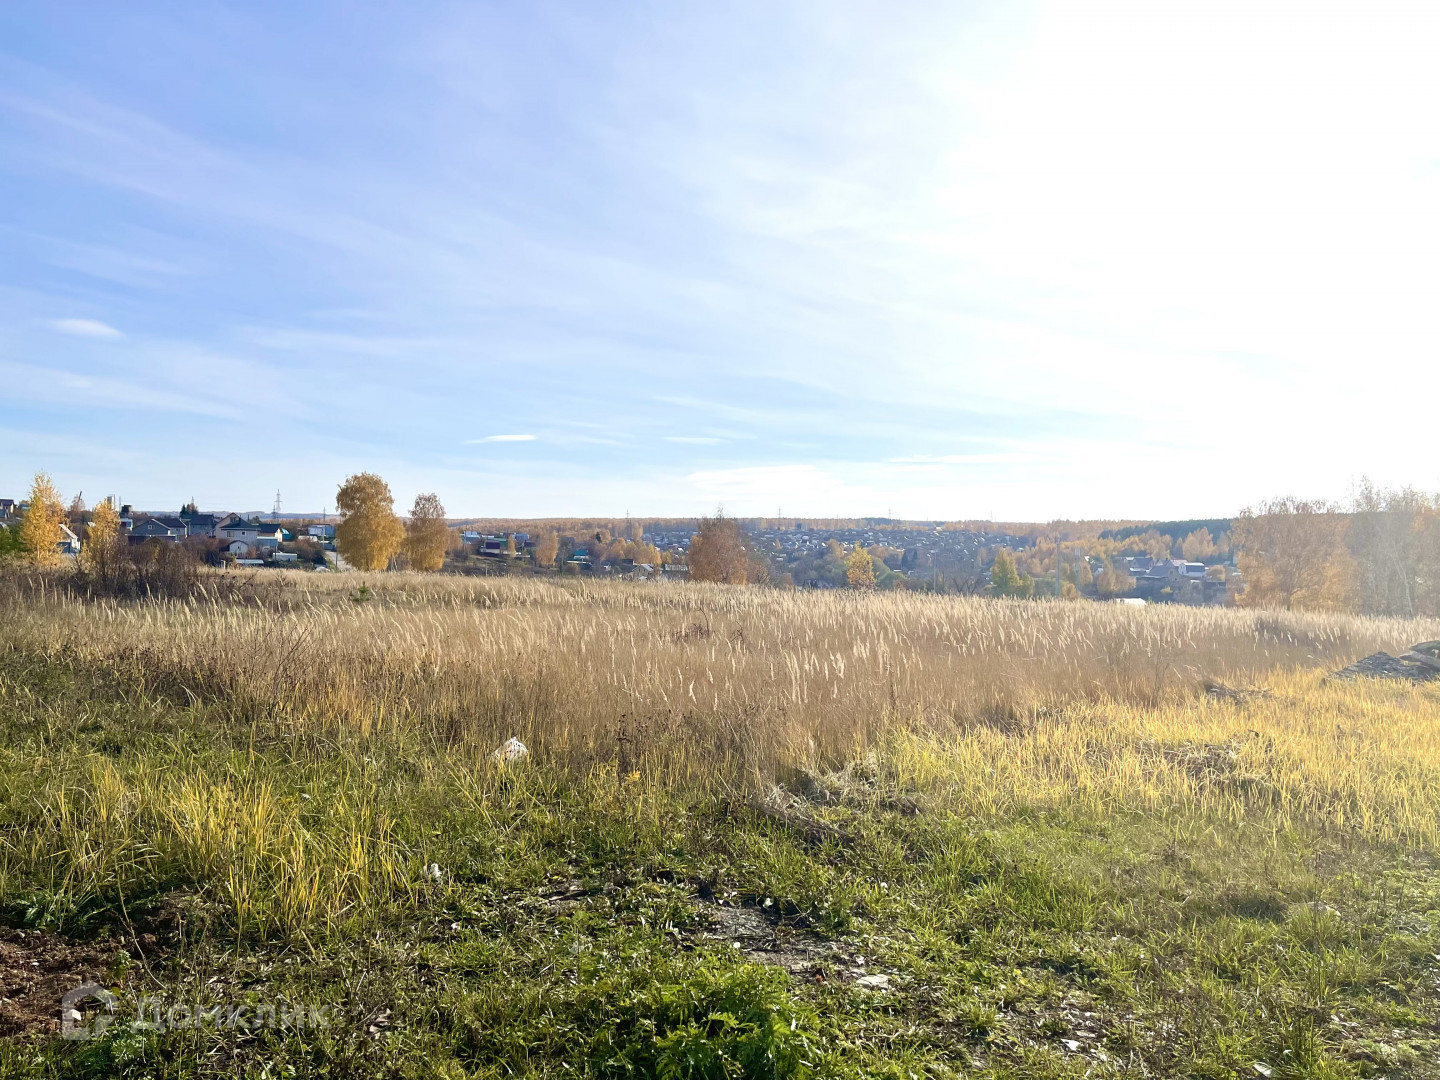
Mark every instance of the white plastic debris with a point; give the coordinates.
(873, 982)
(512, 749)
(434, 873)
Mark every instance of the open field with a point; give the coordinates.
(760, 834)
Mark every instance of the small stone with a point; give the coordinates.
(873, 982)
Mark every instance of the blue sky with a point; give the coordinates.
(941, 260)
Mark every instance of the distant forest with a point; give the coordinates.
(1176, 530)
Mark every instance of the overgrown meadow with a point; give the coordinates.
(759, 834)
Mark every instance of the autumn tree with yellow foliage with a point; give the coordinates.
(426, 534)
(1394, 536)
(860, 569)
(1198, 545)
(1292, 554)
(1113, 583)
(1006, 579)
(717, 552)
(547, 547)
(370, 533)
(40, 531)
(101, 552)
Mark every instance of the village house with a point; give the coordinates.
(1178, 581)
(252, 533)
(207, 525)
(1167, 570)
(496, 547)
(69, 543)
(163, 527)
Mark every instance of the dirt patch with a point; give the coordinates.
(856, 785)
(161, 927)
(1382, 665)
(761, 938)
(1205, 762)
(37, 969)
(1214, 765)
(1218, 691)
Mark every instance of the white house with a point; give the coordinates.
(254, 534)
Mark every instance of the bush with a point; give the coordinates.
(12, 545)
(156, 569)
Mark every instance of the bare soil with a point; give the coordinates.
(38, 968)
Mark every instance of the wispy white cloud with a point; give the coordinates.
(314, 341)
(88, 328)
(961, 459)
(500, 438)
(51, 386)
(697, 440)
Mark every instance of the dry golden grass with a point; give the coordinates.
(698, 678)
(696, 683)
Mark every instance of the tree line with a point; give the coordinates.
(1380, 557)
(370, 535)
